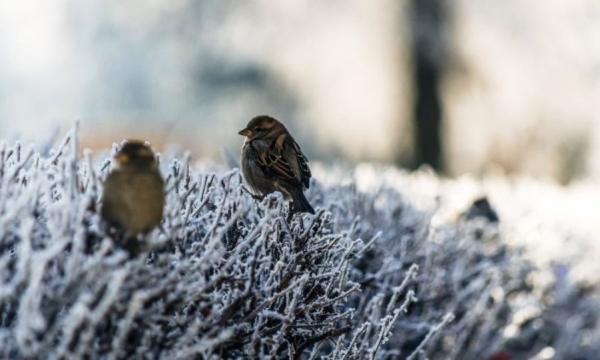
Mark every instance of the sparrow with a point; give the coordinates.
(271, 161)
(134, 192)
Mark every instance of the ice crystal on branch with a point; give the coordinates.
(226, 276)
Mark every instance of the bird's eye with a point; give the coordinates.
(260, 129)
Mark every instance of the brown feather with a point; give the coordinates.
(273, 161)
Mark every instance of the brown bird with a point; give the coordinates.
(272, 161)
(134, 192)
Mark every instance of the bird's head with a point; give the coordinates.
(136, 154)
(262, 126)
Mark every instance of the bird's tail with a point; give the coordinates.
(300, 204)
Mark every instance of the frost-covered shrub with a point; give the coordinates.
(464, 276)
(228, 277)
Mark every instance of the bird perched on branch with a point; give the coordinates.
(134, 193)
(272, 161)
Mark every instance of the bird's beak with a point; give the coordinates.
(246, 132)
(122, 159)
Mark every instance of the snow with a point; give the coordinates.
(381, 271)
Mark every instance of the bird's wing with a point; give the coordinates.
(114, 208)
(280, 158)
(302, 161)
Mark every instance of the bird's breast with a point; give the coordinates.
(256, 177)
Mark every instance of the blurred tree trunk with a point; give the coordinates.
(428, 25)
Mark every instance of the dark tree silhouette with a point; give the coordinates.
(428, 22)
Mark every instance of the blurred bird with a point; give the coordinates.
(481, 207)
(272, 161)
(134, 193)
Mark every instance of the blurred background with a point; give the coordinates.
(466, 86)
